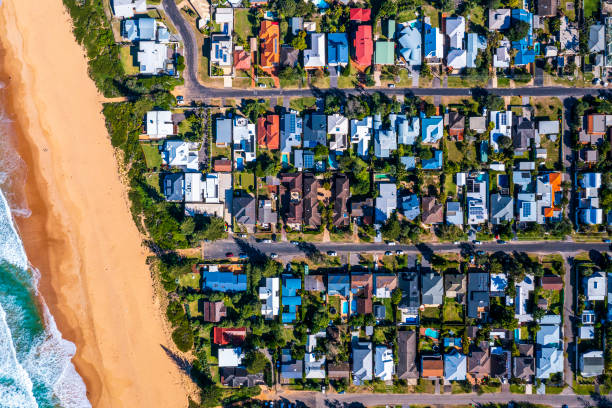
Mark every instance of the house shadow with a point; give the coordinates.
(254, 255)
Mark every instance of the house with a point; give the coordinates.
(411, 207)
(432, 367)
(478, 124)
(502, 127)
(214, 311)
(383, 363)
(297, 25)
(291, 191)
(455, 366)
(314, 283)
(524, 55)
(243, 210)
(361, 134)
(338, 128)
(159, 124)
(408, 129)
(568, 37)
(499, 19)
(153, 58)
(456, 125)
(237, 377)
(201, 190)
(549, 196)
(223, 132)
(384, 53)
(432, 289)
(479, 361)
(432, 130)
(127, 8)
(266, 217)
(435, 163)
(362, 211)
(315, 130)
(406, 365)
(455, 286)
(337, 49)
(432, 212)
(290, 132)
(217, 281)
(303, 159)
(360, 15)
(500, 363)
(337, 371)
(139, 29)
(597, 38)
(290, 298)
(411, 297)
(223, 336)
(174, 186)
(524, 367)
(456, 59)
(592, 363)
(341, 194)
(180, 155)
(362, 362)
(289, 56)
(455, 30)
(362, 288)
(339, 285)
(551, 282)
(454, 213)
(243, 139)
(433, 47)
(314, 368)
(475, 43)
(385, 140)
(524, 133)
(502, 209)
(221, 48)
(596, 124)
(548, 127)
(549, 334)
(269, 295)
(290, 369)
(547, 8)
(314, 57)
(594, 286)
(268, 132)
(312, 216)
(587, 330)
(478, 295)
(409, 162)
(363, 45)
(384, 286)
(230, 357)
(409, 40)
(477, 192)
(386, 202)
(526, 204)
(499, 283)
(269, 37)
(242, 59)
(501, 58)
(521, 301)
(549, 360)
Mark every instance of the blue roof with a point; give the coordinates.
(224, 281)
(455, 366)
(475, 43)
(130, 31)
(524, 57)
(174, 186)
(337, 48)
(146, 29)
(484, 151)
(409, 162)
(292, 300)
(432, 129)
(163, 34)
(591, 216)
(410, 206)
(434, 163)
(526, 16)
(338, 285)
(291, 286)
(431, 41)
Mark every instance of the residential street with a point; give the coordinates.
(194, 90)
(316, 399)
(569, 345)
(286, 250)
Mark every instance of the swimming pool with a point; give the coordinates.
(322, 4)
(431, 333)
(345, 307)
(239, 163)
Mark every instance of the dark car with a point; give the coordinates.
(229, 254)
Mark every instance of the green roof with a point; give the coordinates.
(390, 28)
(385, 53)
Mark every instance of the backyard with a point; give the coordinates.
(244, 181)
(128, 59)
(152, 156)
(452, 311)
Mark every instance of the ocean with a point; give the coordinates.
(35, 361)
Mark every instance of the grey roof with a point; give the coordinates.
(362, 362)
(290, 368)
(174, 186)
(289, 56)
(455, 366)
(409, 284)
(524, 132)
(315, 130)
(224, 130)
(549, 361)
(454, 213)
(239, 377)
(592, 363)
(244, 210)
(502, 208)
(265, 215)
(597, 34)
(523, 367)
(406, 366)
(433, 288)
(478, 293)
(380, 312)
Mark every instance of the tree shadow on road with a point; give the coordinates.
(254, 255)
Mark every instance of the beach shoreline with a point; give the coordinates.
(80, 235)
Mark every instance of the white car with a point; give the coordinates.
(267, 241)
(273, 255)
(332, 253)
(391, 243)
(399, 252)
(477, 243)
(456, 242)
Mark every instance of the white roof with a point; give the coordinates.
(269, 296)
(315, 55)
(501, 58)
(502, 121)
(337, 124)
(499, 282)
(221, 50)
(550, 51)
(383, 363)
(159, 124)
(152, 57)
(548, 127)
(455, 29)
(595, 287)
(126, 8)
(230, 357)
(548, 335)
(225, 15)
(456, 59)
(177, 153)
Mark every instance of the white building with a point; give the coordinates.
(502, 126)
(152, 57)
(477, 192)
(456, 59)
(314, 57)
(361, 134)
(383, 363)
(200, 189)
(314, 367)
(243, 137)
(270, 298)
(230, 357)
(338, 128)
(455, 30)
(159, 124)
(127, 8)
(180, 155)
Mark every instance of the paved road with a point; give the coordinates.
(312, 399)
(194, 90)
(568, 323)
(218, 249)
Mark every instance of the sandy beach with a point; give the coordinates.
(81, 235)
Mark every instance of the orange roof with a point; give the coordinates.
(268, 132)
(432, 368)
(555, 181)
(242, 60)
(268, 37)
(549, 212)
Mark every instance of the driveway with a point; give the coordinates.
(333, 77)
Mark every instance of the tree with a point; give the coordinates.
(299, 41)
(396, 296)
(518, 31)
(255, 362)
(254, 109)
(426, 70)
(183, 337)
(287, 7)
(391, 229)
(180, 63)
(504, 142)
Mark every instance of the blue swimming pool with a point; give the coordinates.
(432, 333)
(322, 4)
(345, 307)
(240, 163)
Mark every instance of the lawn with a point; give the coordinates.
(406, 15)
(584, 389)
(452, 311)
(548, 108)
(244, 181)
(425, 386)
(334, 304)
(467, 82)
(152, 156)
(554, 390)
(433, 13)
(430, 314)
(190, 280)
(450, 187)
(194, 308)
(503, 82)
(454, 154)
(244, 24)
(220, 152)
(153, 180)
(477, 16)
(302, 104)
(555, 300)
(569, 9)
(517, 388)
(128, 60)
(552, 151)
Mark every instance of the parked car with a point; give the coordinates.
(229, 254)
(391, 243)
(477, 243)
(273, 255)
(607, 241)
(501, 241)
(266, 241)
(332, 253)
(391, 85)
(180, 100)
(388, 253)
(399, 252)
(456, 243)
(261, 85)
(242, 255)
(295, 243)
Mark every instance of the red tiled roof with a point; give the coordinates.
(222, 165)
(225, 335)
(268, 132)
(242, 60)
(364, 47)
(269, 38)
(360, 14)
